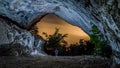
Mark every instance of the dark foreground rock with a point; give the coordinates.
(55, 62)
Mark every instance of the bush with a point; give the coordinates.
(81, 48)
(101, 46)
(54, 41)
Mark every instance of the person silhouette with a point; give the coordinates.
(56, 52)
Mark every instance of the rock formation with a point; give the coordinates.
(105, 14)
(11, 35)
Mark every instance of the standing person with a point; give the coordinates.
(56, 52)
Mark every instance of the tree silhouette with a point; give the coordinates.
(55, 41)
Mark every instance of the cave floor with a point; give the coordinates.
(54, 62)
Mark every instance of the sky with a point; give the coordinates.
(51, 21)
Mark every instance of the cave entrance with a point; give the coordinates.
(51, 21)
(62, 38)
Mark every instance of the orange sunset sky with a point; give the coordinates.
(51, 21)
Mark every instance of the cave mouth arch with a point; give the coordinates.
(49, 22)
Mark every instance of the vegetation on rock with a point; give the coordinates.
(101, 45)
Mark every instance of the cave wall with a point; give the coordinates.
(11, 35)
(105, 14)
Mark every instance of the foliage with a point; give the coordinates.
(96, 46)
(81, 48)
(55, 41)
(99, 42)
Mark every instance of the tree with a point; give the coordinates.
(56, 40)
(96, 39)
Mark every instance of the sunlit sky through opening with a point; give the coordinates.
(51, 21)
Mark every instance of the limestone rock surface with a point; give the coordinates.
(11, 35)
(105, 14)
